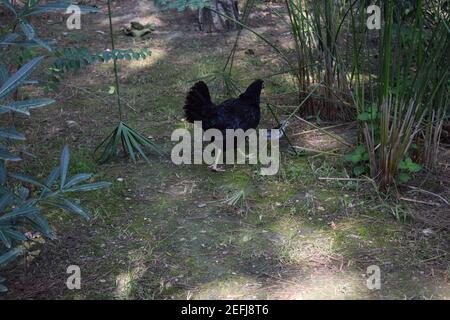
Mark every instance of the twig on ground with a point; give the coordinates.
(430, 193)
(419, 201)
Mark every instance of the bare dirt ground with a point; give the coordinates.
(168, 232)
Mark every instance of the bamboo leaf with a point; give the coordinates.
(53, 176)
(5, 200)
(28, 179)
(11, 133)
(5, 239)
(77, 179)
(64, 164)
(15, 80)
(6, 155)
(24, 106)
(9, 255)
(18, 213)
(89, 187)
(74, 208)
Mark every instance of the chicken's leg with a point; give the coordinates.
(213, 167)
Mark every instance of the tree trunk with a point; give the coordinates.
(210, 21)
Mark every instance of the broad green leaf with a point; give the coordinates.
(6, 155)
(3, 289)
(15, 235)
(5, 239)
(11, 133)
(404, 177)
(409, 165)
(10, 255)
(89, 187)
(359, 170)
(28, 179)
(353, 157)
(6, 200)
(44, 43)
(40, 224)
(31, 43)
(18, 213)
(74, 208)
(77, 179)
(365, 116)
(25, 105)
(64, 164)
(53, 176)
(9, 39)
(15, 80)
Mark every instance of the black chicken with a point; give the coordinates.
(241, 113)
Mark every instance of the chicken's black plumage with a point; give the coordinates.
(241, 113)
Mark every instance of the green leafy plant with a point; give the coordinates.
(359, 159)
(24, 199)
(131, 141)
(406, 168)
(73, 59)
(70, 59)
(21, 211)
(410, 88)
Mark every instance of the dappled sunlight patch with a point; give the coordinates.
(324, 285)
(157, 55)
(303, 243)
(124, 282)
(232, 287)
(360, 234)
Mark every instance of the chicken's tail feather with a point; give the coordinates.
(253, 91)
(197, 100)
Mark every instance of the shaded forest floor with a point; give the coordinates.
(167, 232)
